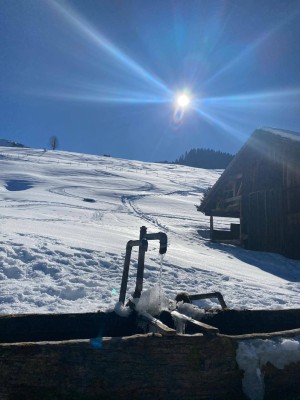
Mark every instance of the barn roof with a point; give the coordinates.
(294, 136)
(258, 137)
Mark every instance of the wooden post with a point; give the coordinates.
(211, 226)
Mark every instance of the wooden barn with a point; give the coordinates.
(261, 187)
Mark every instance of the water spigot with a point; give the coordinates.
(142, 243)
(163, 243)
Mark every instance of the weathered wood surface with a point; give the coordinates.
(281, 385)
(51, 327)
(241, 322)
(44, 327)
(208, 329)
(139, 367)
(293, 333)
(261, 186)
(157, 324)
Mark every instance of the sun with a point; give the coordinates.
(183, 100)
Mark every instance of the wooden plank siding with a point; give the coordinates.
(265, 223)
(261, 186)
(293, 236)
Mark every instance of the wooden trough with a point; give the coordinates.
(105, 356)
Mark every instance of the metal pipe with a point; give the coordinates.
(163, 240)
(123, 289)
(216, 295)
(125, 273)
(143, 247)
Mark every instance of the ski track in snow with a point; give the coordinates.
(65, 219)
(130, 203)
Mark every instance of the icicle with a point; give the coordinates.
(160, 280)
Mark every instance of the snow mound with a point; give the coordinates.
(121, 310)
(254, 354)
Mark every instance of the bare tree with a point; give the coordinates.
(53, 142)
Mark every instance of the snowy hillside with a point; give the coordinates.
(65, 219)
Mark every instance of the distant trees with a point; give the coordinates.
(205, 158)
(53, 141)
(10, 143)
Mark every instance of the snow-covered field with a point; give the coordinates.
(65, 219)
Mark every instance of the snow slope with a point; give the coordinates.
(65, 219)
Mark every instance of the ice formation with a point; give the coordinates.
(122, 310)
(179, 325)
(190, 310)
(152, 301)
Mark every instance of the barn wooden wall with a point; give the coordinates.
(270, 214)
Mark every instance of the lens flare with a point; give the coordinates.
(96, 343)
(251, 47)
(116, 54)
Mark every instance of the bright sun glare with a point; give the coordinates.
(183, 100)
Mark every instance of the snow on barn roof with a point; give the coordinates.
(295, 136)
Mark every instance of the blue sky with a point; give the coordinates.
(103, 75)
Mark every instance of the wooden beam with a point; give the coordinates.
(232, 199)
(224, 213)
(200, 325)
(161, 328)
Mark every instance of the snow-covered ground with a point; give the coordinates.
(65, 219)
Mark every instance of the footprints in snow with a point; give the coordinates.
(52, 275)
